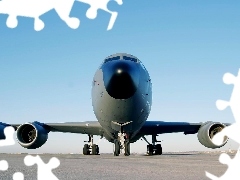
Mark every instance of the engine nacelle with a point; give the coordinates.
(206, 133)
(32, 135)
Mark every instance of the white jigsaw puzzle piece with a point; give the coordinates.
(231, 131)
(36, 8)
(44, 170)
(234, 101)
(232, 172)
(18, 176)
(3, 165)
(101, 4)
(9, 132)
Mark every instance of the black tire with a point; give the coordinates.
(86, 149)
(150, 149)
(95, 149)
(127, 148)
(116, 151)
(159, 149)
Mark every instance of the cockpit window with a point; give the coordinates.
(119, 58)
(130, 58)
(112, 58)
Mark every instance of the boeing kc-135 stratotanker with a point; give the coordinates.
(121, 100)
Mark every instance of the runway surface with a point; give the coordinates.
(169, 166)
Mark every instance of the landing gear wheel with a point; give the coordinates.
(127, 148)
(116, 151)
(95, 149)
(86, 149)
(150, 149)
(159, 149)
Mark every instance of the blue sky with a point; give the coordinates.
(186, 46)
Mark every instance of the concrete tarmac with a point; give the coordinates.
(169, 166)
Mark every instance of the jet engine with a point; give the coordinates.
(206, 133)
(32, 135)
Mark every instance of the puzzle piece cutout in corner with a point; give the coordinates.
(9, 140)
(3, 165)
(234, 102)
(36, 8)
(232, 172)
(95, 5)
(44, 170)
(18, 176)
(231, 131)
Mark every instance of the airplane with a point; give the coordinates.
(121, 100)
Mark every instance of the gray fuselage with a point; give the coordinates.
(121, 95)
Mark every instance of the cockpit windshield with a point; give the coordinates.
(130, 58)
(121, 57)
(112, 58)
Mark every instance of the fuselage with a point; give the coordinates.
(121, 95)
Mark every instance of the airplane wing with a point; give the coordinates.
(34, 135)
(87, 127)
(161, 127)
(94, 128)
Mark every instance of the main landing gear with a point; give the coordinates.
(153, 149)
(90, 148)
(121, 143)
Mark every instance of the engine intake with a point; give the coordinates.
(32, 135)
(208, 131)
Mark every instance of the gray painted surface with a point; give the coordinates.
(181, 166)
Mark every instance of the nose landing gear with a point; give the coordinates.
(121, 144)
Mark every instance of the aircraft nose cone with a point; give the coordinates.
(120, 78)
